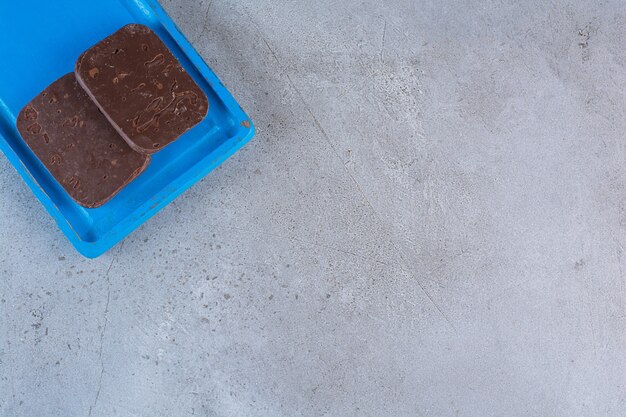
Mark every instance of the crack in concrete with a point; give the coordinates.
(104, 327)
(204, 23)
(305, 242)
(382, 46)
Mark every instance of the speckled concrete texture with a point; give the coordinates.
(431, 221)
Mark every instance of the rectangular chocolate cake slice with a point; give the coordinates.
(77, 144)
(141, 88)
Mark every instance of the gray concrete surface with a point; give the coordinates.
(430, 222)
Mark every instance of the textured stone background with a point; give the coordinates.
(430, 222)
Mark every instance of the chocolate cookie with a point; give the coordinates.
(141, 88)
(77, 144)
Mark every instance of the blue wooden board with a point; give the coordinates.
(40, 41)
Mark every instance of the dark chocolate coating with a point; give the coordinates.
(77, 144)
(141, 88)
